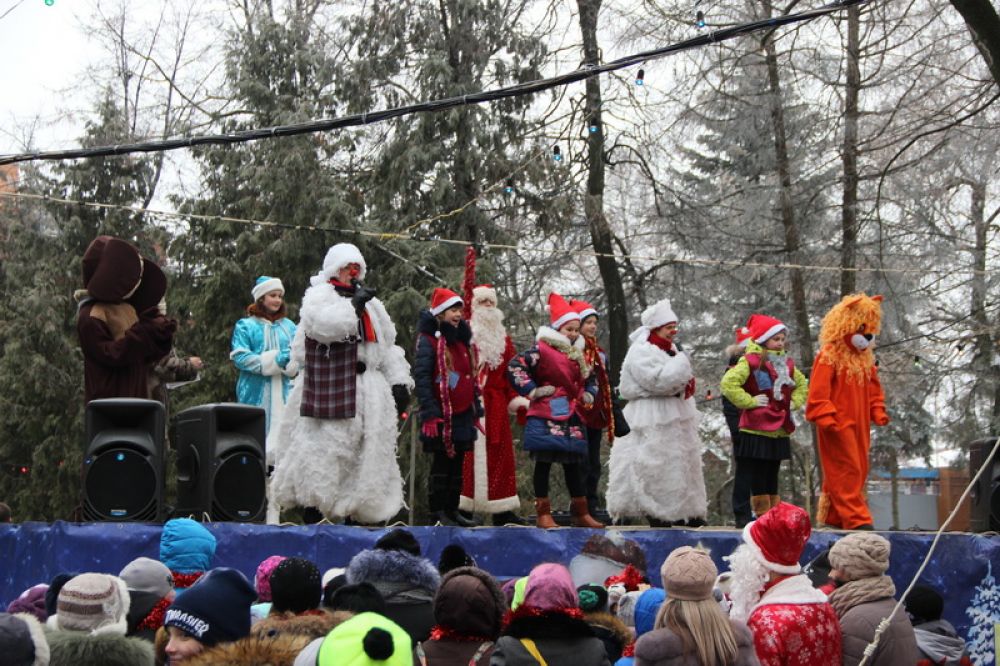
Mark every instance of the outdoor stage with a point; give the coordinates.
(31, 553)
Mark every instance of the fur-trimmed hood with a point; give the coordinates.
(74, 648)
(428, 324)
(313, 624)
(606, 625)
(393, 569)
(254, 650)
(559, 342)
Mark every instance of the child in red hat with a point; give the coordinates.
(561, 385)
(450, 407)
(767, 386)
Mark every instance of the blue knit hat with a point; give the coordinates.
(214, 610)
(186, 546)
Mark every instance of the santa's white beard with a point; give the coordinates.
(748, 579)
(489, 335)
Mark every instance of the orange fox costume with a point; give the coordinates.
(845, 398)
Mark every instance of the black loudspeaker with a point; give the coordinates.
(123, 468)
(985, 508)
(221, 462)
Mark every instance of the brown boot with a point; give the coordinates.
(760, 504)
(775, 500)
(543, 511)
(580, 514)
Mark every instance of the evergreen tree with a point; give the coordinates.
(984, 614)
(41, 366)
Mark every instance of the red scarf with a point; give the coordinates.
(182, 581)
(592, 355)
(662, 343)
(366, 319)
(154, 620)
(533, 611)
(629, 650)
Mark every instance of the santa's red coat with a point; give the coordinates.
(489, 484)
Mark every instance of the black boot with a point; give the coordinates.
(696, 522)
(461, 519)
(443, 518)
(311, 515)
(508, 518)
(656, 522)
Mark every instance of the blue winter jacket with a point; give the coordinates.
(260, 351)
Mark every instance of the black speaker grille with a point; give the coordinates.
(239, 488)
(120, 484)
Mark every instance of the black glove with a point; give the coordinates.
(361, 367)
(362, 295)
(401, 395)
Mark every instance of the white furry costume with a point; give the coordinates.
(656, 469)
(343, 467)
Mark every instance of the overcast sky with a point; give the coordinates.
(45, 53)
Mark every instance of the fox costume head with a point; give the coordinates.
(848, 332)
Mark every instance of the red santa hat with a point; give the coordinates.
(560, 312)
(742, 336)
(763, 328)
(778, 537)
(584, 309)
(442, 299)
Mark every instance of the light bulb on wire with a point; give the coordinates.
(640, 78)
(699, 19)
(556, 153)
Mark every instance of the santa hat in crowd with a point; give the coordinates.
(443, 299)
(584, 309)
(742, 336)
(560, 312)
(777, 538)
(763, 328)
(337, 257)
(265, 285)
(484, 292)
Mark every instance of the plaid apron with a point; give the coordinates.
(331, 380)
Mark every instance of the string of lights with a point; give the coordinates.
(474, 98)
(516, 248)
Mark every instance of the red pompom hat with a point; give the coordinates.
(442, 299)
(778, 537)
(763, 327)
(560, 312)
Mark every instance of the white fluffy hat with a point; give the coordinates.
(339, 256)
(658, 314)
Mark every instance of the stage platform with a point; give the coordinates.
(964, 566)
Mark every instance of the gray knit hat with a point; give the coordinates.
(147, 575)
(860, 555)
(689, 574)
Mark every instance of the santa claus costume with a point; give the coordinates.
(489, 483)
(792, 622)
(335, 448)
(655, 470)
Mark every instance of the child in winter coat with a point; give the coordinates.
(261, 349)
(450, 408)
(741, 485)
(767, 386)
(656, 469)
(598, 416)
(560, 384)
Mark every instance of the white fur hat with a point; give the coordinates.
(658, 314)
(339, 256)
(265, 285)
